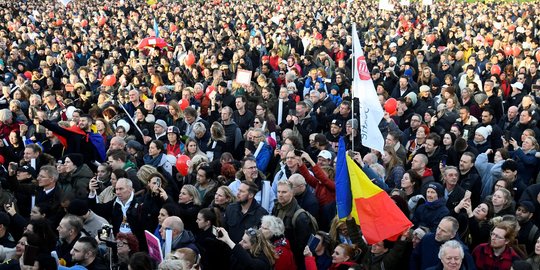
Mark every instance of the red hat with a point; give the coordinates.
(28, 75)
(69, 55)
(266, 58)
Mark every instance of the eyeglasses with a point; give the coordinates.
(496, 236)
(121, 243)
(256, 122)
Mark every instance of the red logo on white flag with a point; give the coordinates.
(361, 67)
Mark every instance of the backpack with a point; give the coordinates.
(99, 146)
(313, 224)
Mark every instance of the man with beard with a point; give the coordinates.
(245, 213)
(250, 172)
(528, 232)
(76, 138)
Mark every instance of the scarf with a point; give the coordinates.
(153, 161)
(286, 210)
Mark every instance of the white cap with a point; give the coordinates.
(325, 154)
(517, 85)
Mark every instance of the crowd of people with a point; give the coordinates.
(218, 122)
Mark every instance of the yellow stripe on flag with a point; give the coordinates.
(361, 185)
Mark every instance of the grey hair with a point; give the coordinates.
(297, 179)
(450, 245)
(199, 127)
(51, 171)
(454, 221)
(170, 264)
(275, 225)
(5, 114)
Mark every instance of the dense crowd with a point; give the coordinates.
(218, 123)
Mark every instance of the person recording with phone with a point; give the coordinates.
(252, 252)
(217, 253)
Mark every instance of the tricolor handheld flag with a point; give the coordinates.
(156, 27)
(375, 212)
(371, 111)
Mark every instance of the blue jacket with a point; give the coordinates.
(430, 214)
(425, 255)
(263, 158)
(489, 172)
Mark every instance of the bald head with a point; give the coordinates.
(117, 143)
(298, 183)
(174, 223)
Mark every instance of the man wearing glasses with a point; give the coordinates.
(497, 253)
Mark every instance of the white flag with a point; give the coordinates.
(371, 111)
(65, 2)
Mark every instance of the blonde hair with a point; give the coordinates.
(144, 173)
(194, 193)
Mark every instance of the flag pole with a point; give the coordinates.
(352, 85)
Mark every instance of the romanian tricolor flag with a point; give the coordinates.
(375, 212)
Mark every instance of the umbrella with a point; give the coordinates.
(152, 42)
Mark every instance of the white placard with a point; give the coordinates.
(243, 76)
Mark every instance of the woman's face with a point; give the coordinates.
(339, 255)
(455, 130)
(21, 246)
(139, 115)
(184, 197)
(421, 133)
(386, 158)
(497, 157)
(265, 230)
(69, 166)
(163, 214)
(481, 211)
(220, 198)
(465, 94)
(192, 147)
(406, 181)
(13, 138)
(450, 103)
(447, 140)
(246, 242)
(100, 126)
(123, 247)
(537, 247)
(498, 199)
(202, 223)
(153, 150)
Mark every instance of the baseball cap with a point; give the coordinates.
(325, 154)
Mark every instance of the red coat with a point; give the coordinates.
(6, 129)
(325, 188)
(285, 260)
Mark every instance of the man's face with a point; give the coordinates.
(243, 194)
(431, 195)
(451, 177)
(498, 239)
(84, 124)
(250, 170)
(417, 164)
(335, 129)
(509, 175)
(402, 83)
(512, 112)
(29, 154)
(524, 117)
(284, 194)
(344, 109)
(240, 104)
(415, 122)
(78, 254)
(465, 163)
(291, 161)
(44, 180)
(463, 115)
(123, 191)
(63, 229)
(225, 115)
(115, 164)
(158, 129)
(444, 231)
(430, 146)
(390, 141)
(451, 259)
(522, 215)
(486, 117)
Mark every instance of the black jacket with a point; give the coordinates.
(236, 222)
